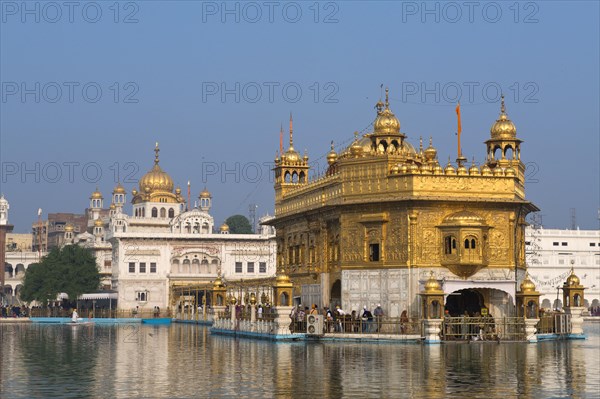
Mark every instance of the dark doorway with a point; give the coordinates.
(469, 300)
(336, 293)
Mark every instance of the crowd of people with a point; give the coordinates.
(14, 311)
(338, 320)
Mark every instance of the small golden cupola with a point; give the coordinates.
(527, 285)
(528, 299)
(224, 228)
(386, 122)
(96, 194)
(573, 291)
(503, 127)
(386, 137)
(205, 198)
(291, 168)
(96, 199)
(332, 155)
(430, 152)
(503, 146)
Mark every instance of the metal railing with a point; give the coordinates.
(556, 323)
(378, 325)
(483, 329)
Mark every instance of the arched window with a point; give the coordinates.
(163, 213)
(154, 212)
(449, 245)
(467, 243)
(171, 213)
(143, 212)
(473, 243)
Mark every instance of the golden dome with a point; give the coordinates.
(449, 169)
(474, 170)
(356, 149)
(425, 169)
(224, 227)
(291, 155)
(98, 223)
(485, 170)
(96, 194)
(437, 169)
(119, 189)
(156, 179)
(69, 227)
(113, 206)
(461, 170)
(503, 127)
(218, 282)
(332, 155)
(403, 168)
(205, 194)
(464, 218)
(572, 279)
(432, 285)
(498, 171)
(395, 169)
(430, 152)
(413, 168)
(527, 285)
(386, 122)
(510, 171)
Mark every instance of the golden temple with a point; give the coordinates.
(386, 214)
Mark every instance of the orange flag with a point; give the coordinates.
(459, 128)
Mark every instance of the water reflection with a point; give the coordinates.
(185, 361)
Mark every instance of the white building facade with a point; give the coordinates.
(551, 253)
(162, 245)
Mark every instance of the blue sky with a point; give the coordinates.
(213, 81)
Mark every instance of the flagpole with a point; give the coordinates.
(460, 159)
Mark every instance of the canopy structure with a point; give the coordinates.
(95, 295)
(99, 295)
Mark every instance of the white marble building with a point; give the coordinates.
(551, 253)
(162, 245)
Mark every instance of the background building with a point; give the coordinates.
(552, 253)
(163, 246)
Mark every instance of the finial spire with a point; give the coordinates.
(421, 144)
(281, 139)
(430, 141)
(387, 98)
(502, 107)
(156, 151)
(291, 131)
(332, 146)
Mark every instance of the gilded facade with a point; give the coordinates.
(387, 213)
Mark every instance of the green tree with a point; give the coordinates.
(239, 224)
(71, 269)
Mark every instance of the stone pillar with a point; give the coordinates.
(282, 320)
(431, 331)
(217, 310)
(530, 330)
(576, 319)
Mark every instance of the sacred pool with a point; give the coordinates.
(186, 361)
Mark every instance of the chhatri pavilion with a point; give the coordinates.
(386, 215)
